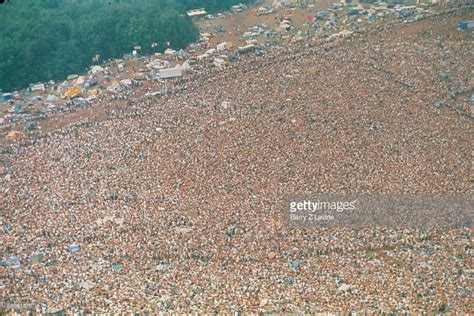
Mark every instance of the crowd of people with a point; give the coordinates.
(174, 203)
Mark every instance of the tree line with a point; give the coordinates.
(49, 39)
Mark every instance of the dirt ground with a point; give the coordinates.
(236, 25)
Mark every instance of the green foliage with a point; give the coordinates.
(443, 308)
(50, 39)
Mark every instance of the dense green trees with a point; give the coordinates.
(49, 39)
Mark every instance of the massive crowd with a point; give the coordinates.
(176, 201)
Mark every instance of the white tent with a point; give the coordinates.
(97, 69)
(185, 66)
(219, 62)
(80, 81)
(170, 73)
(87, 285)
(196, 12)
(202, 57)
(62, 87)
(170, 51)
(126, 82)
(222, 46)
(52, 98)
(344, 287)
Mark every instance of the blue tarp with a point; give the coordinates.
(6, 228)
(116, 266)
(74, 248)
(13, 261)
(289, 281)
(295, 264)
(30, 126)
(163, 266)
(6, 96)
(37, 256)
(466, 25)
